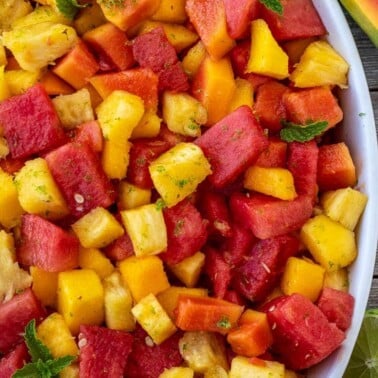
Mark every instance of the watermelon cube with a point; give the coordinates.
(90, 133)
(30, 122)
(13, 361)
(274, 156)
(120, 248)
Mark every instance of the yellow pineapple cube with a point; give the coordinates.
(92, 258)
(118, 303)
(266, 56)
(319, 65)
(37, 191)
(131, 196)
(302, 276)
(275, 182)
(4, 88)
(148, 126)
(18, 81)
(10, 208)
(146, 228)
(80, 298)
(183, 114)
(171, 11)
(12, 10)
(216, 372)
(115, 158)
(89, 18)
(177, 172)
(332, 245)
(74, 109)
(242, 367)
(344, 205)
(177, 372)
(243, 94)
(97, 229)
(337, 279)
(193, 59)
(189, 269)
(45, 285)
(154, 320)
(144, 275)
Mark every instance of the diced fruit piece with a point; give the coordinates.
(275, 155)
(243, 94)
(144, 275)
(91, 258)
(19, 81)
(46, 245)
(320, 65)
(295, 48)
(209, 19)
(171, 11)
(240, 139)
(131, 196)
(177, 172)
(14, 360)
(344, 205)
(118, 303)
(103, 351)
(193, 59)
(255, 367)
(304, 277)
(23, 116)
(337, 279)
(177, 372)
(13, 10)
(120, 249)
(35, 46)
(216, 372)
(88, 18)
(54, 85)
(45, 285)
(80, 298)
(90, 133)
(148, 126)
(332, 245)
(4, 86)
(266, 56)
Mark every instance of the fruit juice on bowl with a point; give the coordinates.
(358, 132)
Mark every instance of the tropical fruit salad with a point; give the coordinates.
(174, 201)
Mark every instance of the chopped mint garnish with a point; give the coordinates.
(69, 8)
(274, 5)
(293, 132)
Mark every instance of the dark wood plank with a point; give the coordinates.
(373, 298)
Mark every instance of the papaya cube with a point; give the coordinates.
(55, 334)
(144, 275)
(304, 277)
(193, 59)
(255, 367)
(154, 320)
(80, 298)
(337, 279)
(344, 205)
(332, 245)
(177, 172)
(92, 258)
(54, 85)
(37, 191)
(177, 372)
(97, 229)
(146, 228)
(243, 94)
(10, 208)
(275, 182)
(171, 11)
(118, 303)
(131, 196)
(266, 56)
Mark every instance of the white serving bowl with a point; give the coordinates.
(358, 131)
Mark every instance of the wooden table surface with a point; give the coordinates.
(369, 57)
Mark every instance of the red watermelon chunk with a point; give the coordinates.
(148, 360)
(274, 155)
(90, 133)
(13, 361)
(263, 267)
(103, 352)
(186, 232)
(301, 332)
(30, 122)
(46, 245)
(337, 306)
(267, 216)
(240, 140)
(173, 78)
(15, 315)
(77, 170)
(120, 248)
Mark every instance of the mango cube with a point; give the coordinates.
(154, 320)
(45, 285)
(97, 229)
(4, 89)
(177, 372)
(171, 11)
(148, 126)
(80, 298)
(18, 81)
(131, 196)
(89, 18)
(243, 94)
(177, 172)
(92, 258)
(332, 245)
(242, 367)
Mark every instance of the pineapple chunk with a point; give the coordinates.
(146, 228)
(92, 258)
(243, 94)
(344, 205)
(118, 303)
(215, 372)
(12, 10)
(131, 196)
(177, 372)
(193, 59)
(4, 88)
(154, 320)
(177, 172)
(45, 285)
(332, 245)
(242, 367)
(97, 229)
(74, 109)
(18, 81)
(183, 114)
(36, 46)
(148, 126)
(12, 277)
(38, 192)
(320, 65)
(337, 279)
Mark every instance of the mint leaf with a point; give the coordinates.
(273, 5)
(28, 371)
(293, 132)
(55, 366)
(37, 350)
(68, 8)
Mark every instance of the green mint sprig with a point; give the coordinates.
(293, 132)
(69, 8)
(42, 364)
(273, 5)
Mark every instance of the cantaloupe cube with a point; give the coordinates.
(92, 258)
(80, 298)
(344, 205)
(97, 229)
(18, 81)
(243, 94)
(131, 196)
(4, 89)
(171, 11)
(45, 285)
(242, 367)
(148, 126)
(337, 279)
(193, 59)
(304, 277)
(154, 320)
(266, 56)
(118, 303)
(332, 245)
(177, 372)
(37, 191)
(146, 228)
(177, 172)
(144, 275)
